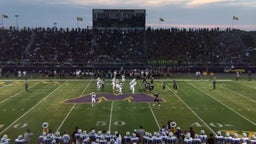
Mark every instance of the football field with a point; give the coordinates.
(66, 103)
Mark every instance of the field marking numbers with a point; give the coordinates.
(63, 121)
(31, 108)
(119, 123)
(20, 125)
(224, 105)
(17, 94)
(101, 123)
(192, 110)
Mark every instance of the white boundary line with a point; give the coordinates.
(74, 105)
(192, 111)
(224, 105)
(110, 116)
(31, 108)
(17, 94)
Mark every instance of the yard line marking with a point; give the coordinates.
(154, 116)
(192, 110)
(74, 105)
(110, 116)
(252, 100)
(17, 94)
(31, 109)
(157, 123)
(245, 84)
(225, 105)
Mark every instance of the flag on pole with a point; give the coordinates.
(161, 19)
(235, 18)
(4, 16)
(79, 19)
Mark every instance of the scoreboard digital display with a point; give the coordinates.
(119, 18)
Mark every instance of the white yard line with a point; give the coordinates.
(224, 105)
(110, 116)
(192, 110)
(74, 105)
(17, 94)
(246, 84)
(158, 125)
(252, 100)
(31, 109)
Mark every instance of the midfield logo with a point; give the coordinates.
(129, 97)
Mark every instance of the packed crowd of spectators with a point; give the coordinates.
(172, 135)
(35, 46)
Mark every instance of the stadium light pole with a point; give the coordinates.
(16, 19)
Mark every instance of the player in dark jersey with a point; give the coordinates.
(214, 83)
(26, 85)
(164, 84)
(175, 87)
(156, 100)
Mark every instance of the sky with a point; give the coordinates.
(176, 13)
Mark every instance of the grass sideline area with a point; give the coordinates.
(228, 108)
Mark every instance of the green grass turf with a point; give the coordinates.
(229, 108)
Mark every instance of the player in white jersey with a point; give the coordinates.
(219, 138)
(245, 139)
(123, 78)
(99, 83)
(114, 84)
(253, 139)
(132, 85)
(227, 139)
(115, 74)
(236, 139)
(93, 97)
(119, 88)
(5, 139)
(66, 138)
(196, 140)
(188, 139)
(20, 140)
(203, 137)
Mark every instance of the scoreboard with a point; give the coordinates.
(119, 18)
